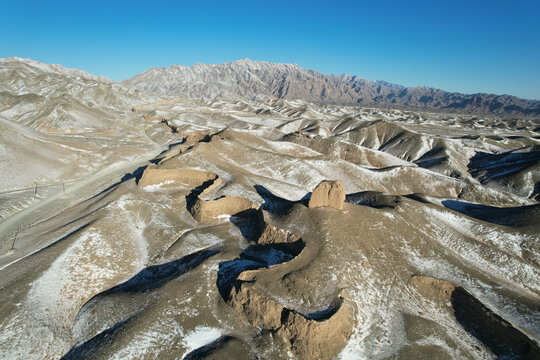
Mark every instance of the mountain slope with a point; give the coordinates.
(59, 126)
(255, 79)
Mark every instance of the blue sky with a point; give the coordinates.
(467, 46)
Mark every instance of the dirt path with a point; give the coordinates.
(22, 221)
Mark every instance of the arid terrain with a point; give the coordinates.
(138, 223)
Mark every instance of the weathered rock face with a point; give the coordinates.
(269, 234)
(328, 193)
(186, 179)
(192, 137)
(316, 336)
(308, 338)
(205, 211)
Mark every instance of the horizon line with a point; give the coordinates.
(246, 59)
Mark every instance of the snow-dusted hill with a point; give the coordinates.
(53, 68)
(137, 226)
(60, 125)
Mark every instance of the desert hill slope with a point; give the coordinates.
(58, 126)
(179, 228)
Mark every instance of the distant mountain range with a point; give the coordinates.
(248, 79)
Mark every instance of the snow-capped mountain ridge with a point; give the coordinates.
(249, 79)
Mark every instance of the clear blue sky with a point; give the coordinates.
(467, 46)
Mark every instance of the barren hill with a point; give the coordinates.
(137, 226)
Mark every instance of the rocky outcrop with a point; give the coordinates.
(192, 137)
(318, 336)
(178, 179)
(308, 337)
(328, 194)
(269, 234)
(205, 211)
(436, 289)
